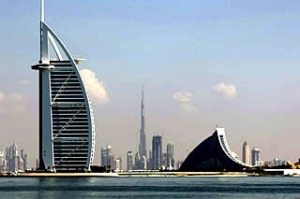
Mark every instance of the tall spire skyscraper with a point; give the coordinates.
(142, 146)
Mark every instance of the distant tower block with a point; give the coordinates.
(129, 160)
(157, 152)
(66, 123)
(170, 156)
(246, 153)
(255, 155)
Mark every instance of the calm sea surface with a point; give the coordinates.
(179, 187)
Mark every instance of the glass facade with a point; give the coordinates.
(70, 118)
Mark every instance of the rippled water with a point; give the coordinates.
(179, 187)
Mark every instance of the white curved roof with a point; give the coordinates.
(224, 144)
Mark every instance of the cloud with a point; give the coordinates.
(228, 91)
(23, 82)
(12, 103)
(184, 99)
(94, 87)
(2, 96)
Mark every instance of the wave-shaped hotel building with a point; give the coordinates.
(66, 124)
(213, 154)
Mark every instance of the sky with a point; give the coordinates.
(226, 63)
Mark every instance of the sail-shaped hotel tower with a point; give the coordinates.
(66, 123)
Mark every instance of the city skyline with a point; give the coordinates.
(12, 159)
(233, 64)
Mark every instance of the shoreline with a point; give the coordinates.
(153, 173)
(131, 174)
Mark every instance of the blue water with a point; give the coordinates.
(179, 187)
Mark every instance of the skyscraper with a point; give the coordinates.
(2, 161)
(15, 161)
(129, 160)
(255, 155)
(246, 153)
(156, 152)
(110, 160)
(150, 161)
(66, 123)
(144, 164)
(142, 145)
(118, 164)
(25, 159)
(164, 161)
(103, 157)
(170, 156)
(137, 161)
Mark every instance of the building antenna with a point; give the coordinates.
(43, 37)
(42, 11)
(143, 93)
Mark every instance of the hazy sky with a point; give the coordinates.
(230, 63)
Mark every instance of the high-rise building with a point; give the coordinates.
(37, 164)
(164, 161)
(170, 156)
(179, 163)
(118, 164)
(15, 161)
(66, 123)
(255, 155)
(22, 153)
(4, 166)
(112, 162)
(246, 153)
(2, 161)
(103, 157)
(129, 160)
(157, 152)
(137, 161)
(142, 145)
(8, 157)
(144, 162)
(150, 162)
(20, 163)
(109, 157)
(25, 159)
(140, 162)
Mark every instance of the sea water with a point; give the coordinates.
(130, 187)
